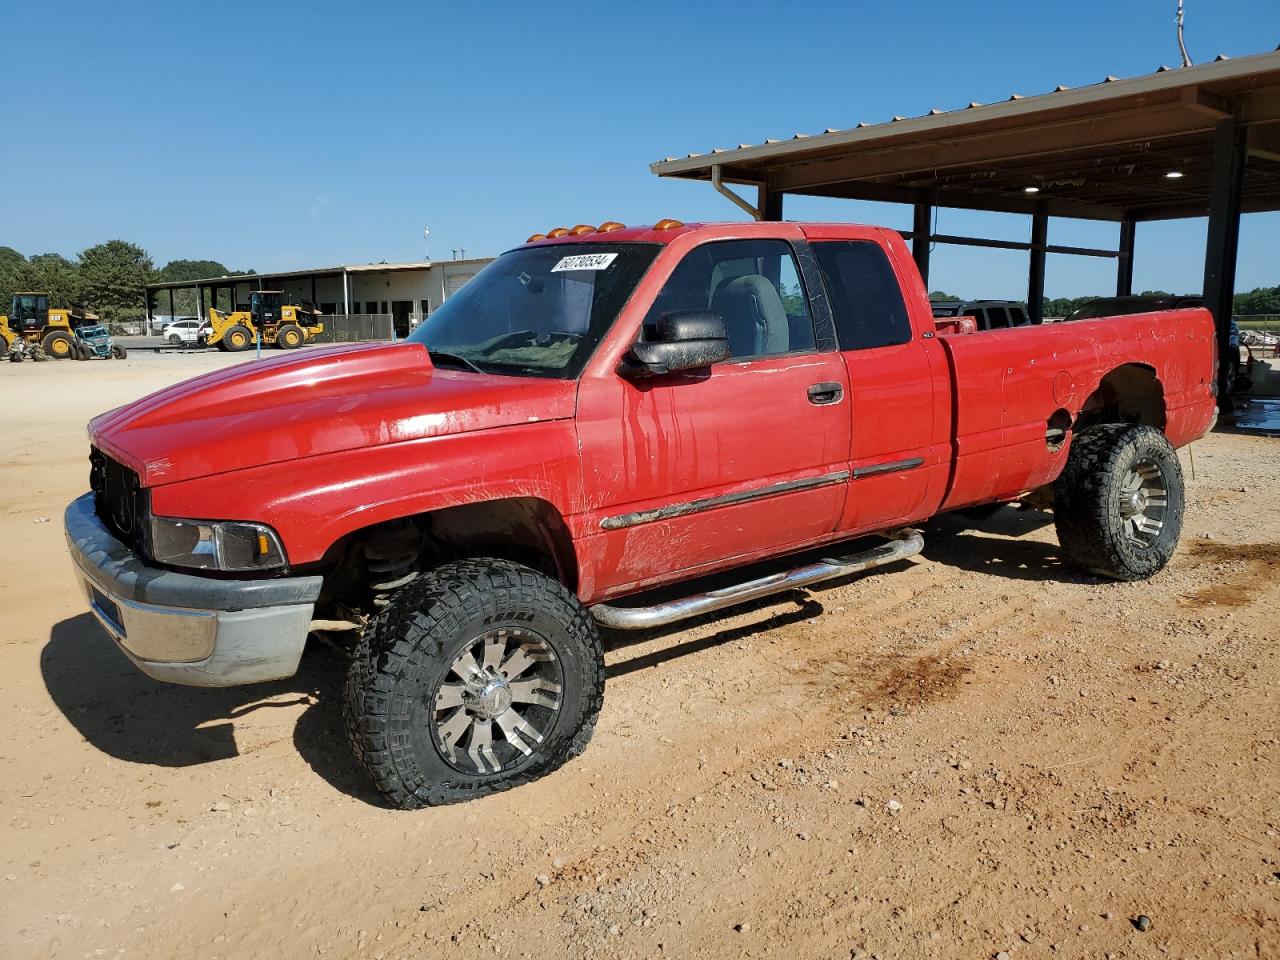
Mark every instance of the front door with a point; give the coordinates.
(699, 469)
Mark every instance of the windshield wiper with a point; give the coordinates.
(457, 359)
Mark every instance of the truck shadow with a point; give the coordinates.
(131, 717)
(999, 546)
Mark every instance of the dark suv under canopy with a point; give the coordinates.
(989, 314)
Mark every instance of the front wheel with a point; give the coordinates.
(118, 352)
(60, 345)
(1119, 502)
(290, 336)
(477, 677)
(238, 338)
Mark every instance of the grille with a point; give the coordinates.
(117, 498)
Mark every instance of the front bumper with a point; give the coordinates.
(183, 628)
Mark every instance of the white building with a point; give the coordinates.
(405, 292)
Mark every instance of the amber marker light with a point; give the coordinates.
(536, 236)
(557, 232)
(666, 223)
(611, 225)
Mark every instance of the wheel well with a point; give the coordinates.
(1128, 394)
(527, 530)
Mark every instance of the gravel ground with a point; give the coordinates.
(973, 753)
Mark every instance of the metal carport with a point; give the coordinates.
(1189, 142)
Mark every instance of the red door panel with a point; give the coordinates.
(900, 454)
(691, 470)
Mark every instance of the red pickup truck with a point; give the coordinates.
(601, 412)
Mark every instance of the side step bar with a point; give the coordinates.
(902, 544)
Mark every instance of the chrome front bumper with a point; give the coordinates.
(188, 629)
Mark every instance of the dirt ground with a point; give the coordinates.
(972, 752)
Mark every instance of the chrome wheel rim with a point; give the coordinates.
(498, 701)
(1143, 502)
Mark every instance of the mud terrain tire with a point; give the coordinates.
(404, 682)
(1119, 502)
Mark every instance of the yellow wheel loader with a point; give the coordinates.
(33, 321)
(286, 325)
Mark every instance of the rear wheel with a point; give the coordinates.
(1119, 502)
(59, 344)
(237, 338)
(477, 677)
(175, 339)
(290, 336)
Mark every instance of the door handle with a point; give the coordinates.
(825, 394)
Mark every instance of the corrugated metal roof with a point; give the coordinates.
(1165, 78)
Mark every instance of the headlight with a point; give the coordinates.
(215, 545)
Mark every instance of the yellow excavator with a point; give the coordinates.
(33, 321)
(285, 325)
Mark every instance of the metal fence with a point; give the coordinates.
(354, 327)
(1260, 332)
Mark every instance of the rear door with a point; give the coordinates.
(900, 430)
(750, 456)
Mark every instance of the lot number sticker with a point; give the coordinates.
(585, 261)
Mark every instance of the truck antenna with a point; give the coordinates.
(1182, 44)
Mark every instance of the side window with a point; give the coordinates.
(753, 285)
(999, 317)
(865, 297)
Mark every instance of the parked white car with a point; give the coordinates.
(189, 330)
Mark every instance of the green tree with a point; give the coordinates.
(11, 261)
(1256, 301)
(50, 273)
(940, 295)
(113, 279)
(185, 301)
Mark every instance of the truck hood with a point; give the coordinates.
(315, 402)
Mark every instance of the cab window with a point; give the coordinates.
(755, 288)
(865, 297)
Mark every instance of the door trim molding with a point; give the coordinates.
(891, 466)
(724, 500)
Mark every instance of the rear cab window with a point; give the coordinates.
(866, 299)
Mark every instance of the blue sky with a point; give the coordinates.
(287, 135)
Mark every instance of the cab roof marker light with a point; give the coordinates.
(610, 225)
(536, 237)
(581, 229)
(557, 232)
(666, 223)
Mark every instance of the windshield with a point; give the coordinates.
(538, 311)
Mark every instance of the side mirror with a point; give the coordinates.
(686, 340)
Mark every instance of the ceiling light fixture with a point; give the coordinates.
(1174, 175)
(1030, 189)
